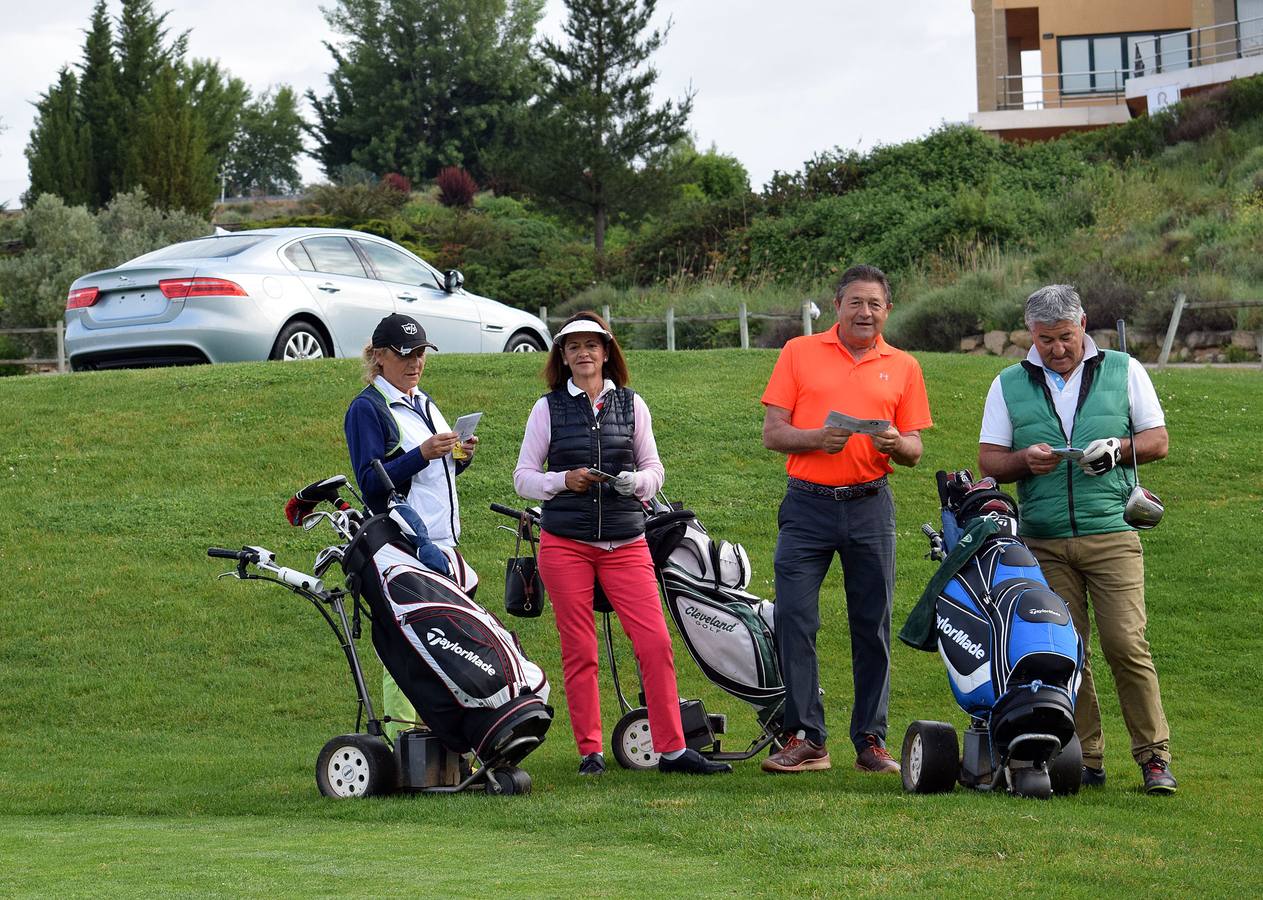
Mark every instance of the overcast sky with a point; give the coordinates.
(776, 82)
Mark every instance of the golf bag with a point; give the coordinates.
(728, 632)
(1012, 654)
(463, 671)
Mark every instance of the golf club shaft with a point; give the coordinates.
(1131, 434)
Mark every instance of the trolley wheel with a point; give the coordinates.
(356, 765)
(931, 758)
(508, 781)
(1030, 781)
(633, 744)
(1066, 768)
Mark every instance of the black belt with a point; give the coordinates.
(845, 492)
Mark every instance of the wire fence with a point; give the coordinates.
(806, 315)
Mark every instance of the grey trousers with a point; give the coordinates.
(862, 533)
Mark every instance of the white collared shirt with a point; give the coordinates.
(1146, 410)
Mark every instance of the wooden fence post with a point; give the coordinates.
(605, 314)
(670, 327)
(61, 346)
(806, 317)
(543, 315)
(1171, 329)
(744, 324)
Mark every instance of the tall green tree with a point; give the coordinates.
(263, 156)
(169, 157)
(418, 85)
(600, 143)
(102, 107)
(219, 99)
(59, 154)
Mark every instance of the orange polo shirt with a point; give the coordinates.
(816, 374)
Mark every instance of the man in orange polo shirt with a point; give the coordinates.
(839, 501)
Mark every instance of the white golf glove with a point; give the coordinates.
(1101, 455)
(625, 483)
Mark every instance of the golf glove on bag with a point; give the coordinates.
(1101, 455)
(625, 483)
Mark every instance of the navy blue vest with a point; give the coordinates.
(580, 440)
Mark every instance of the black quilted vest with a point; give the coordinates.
(604, 442)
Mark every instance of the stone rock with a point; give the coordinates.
(1013, 351)
(970, 342)
(980, 351)
(1105, 338)
(1181, 355)
(1199, 339)
(995, 341)
(1244, 340)
(1209, 355)
(1021, 338)
(1141, 339)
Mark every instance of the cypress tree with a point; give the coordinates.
(60, 149)
(103, 109)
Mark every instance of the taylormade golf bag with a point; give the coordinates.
(1012, 654)
(728, 632)
(465, 674)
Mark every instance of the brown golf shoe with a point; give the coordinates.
(873, 757)
(798, 755)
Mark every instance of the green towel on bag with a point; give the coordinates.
(919, 631)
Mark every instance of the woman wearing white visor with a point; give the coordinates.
(590, 455)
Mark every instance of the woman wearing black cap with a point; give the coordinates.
(396, 422)
(593, 529)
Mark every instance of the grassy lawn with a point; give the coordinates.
(159, 727)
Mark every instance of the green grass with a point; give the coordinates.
(159, 727)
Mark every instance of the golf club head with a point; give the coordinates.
(1143, 510)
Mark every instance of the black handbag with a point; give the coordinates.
(523, 589)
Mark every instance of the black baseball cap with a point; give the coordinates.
(400, 333)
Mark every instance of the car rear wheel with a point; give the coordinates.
(524, 343)
(299, 340)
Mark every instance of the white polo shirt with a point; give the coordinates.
(1146, 410)
(433, 490)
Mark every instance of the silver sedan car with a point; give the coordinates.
(277, 293)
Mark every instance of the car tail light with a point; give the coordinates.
(180, 288)
(80, 298)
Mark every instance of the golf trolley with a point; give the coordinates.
(1012, 655)
(479, 726)
(728, 633)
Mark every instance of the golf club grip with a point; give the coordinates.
(506, 511)
(928, 531)
(221, 553)
(381, 474)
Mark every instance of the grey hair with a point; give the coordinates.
(1054, 303)
(863, 273)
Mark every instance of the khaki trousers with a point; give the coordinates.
(1106, 572)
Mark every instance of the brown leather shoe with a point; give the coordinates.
(799, 755)
(874, 758)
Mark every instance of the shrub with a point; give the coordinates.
(358, 201)
(397, 182)
(456, 187)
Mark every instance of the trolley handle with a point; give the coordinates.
(531, 515)
(239, 555)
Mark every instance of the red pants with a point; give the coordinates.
(569, 570)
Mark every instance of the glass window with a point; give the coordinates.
(1250, 15)
(1142, 54)
(1107, 63)
(298, 256)
(1173, 52)
(1076, 65)
(334, 255)
(206, 248)
(392, 265)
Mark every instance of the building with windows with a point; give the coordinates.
(1050, 66)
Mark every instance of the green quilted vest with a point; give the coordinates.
(1067, 502)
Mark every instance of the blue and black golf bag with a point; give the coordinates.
(1012, 654)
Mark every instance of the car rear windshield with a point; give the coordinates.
(206, 248)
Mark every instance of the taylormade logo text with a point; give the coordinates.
(705, 619)
(435, 638)
(961, 637)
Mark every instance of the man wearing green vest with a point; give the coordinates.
(1067, 393)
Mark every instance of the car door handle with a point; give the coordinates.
(328, 287)
(408, 297)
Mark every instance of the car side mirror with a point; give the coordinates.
(453, 281)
